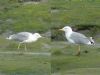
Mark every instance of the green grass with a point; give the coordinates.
(64, 61)
(41, 17)
(25, 17)
(24, 64)
(76, 12)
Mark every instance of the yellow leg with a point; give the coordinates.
(19, 46)
(25, 48)
(78, 51)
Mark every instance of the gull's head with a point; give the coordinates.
(10, 37)
(91, 37)
(37, 35)
(66, 29)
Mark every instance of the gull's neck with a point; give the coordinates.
(35, 36)
(68, 33)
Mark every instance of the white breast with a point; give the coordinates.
(68, 37)
(30, 39)
(70, 40)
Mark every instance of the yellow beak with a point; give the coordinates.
(61, 29)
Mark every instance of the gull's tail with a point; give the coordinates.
(91, 40)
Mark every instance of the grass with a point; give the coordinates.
(43, 16)
(80, 15)
(74, 13)
(64, 61)
(24, 64)
(31, 17)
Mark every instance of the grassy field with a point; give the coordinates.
(16, 62)
(75, 13)
(31, 17)
(42, 17)
(64, 61)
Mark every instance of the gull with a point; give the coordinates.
(76, 38)
(24, 37)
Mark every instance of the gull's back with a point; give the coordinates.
(22, 36)
(79, 38)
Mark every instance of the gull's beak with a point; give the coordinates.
(61, 29)
(41, 37)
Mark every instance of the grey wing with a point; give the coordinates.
(79, 38)
(20, 37)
